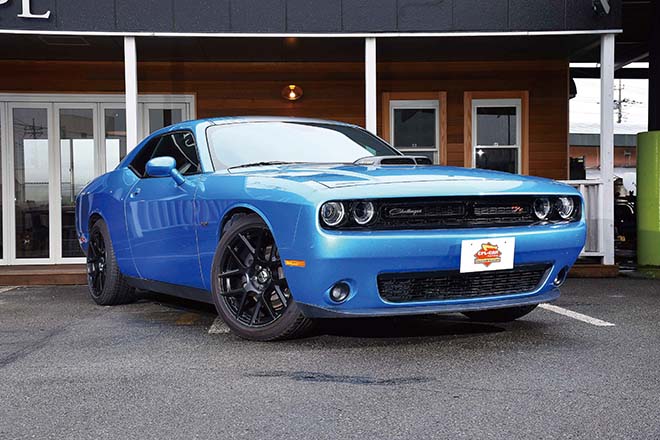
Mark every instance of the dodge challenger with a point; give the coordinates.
(278, 221)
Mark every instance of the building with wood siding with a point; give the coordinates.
(466, 82)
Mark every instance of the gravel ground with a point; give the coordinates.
(72, 370)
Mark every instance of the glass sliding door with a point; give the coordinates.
(77, 168)
(30, 133)
(114, 130)
(51, 146)
(157, 116)
(162, 117)
(3, 125)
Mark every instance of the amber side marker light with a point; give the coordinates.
(295, 263)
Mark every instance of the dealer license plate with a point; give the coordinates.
(487, 254)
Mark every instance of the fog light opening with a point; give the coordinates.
(561, 277)
(340, 292)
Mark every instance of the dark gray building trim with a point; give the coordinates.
(310, 16)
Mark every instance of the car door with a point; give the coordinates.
(160, 218)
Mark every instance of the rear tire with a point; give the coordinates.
(250, 291)
(107, 286)
(500, 315)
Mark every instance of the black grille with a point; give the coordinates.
(433, 286)
(465, 212)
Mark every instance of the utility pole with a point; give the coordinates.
(618, 103)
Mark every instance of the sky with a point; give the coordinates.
(585, 107)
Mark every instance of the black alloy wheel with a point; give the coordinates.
(107, 285)
(250, 290)
(252, 281)
(96, 263)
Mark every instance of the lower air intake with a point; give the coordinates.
(446, 285)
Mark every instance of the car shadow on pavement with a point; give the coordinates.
(404, 327)
(445, 326)
(174, 302)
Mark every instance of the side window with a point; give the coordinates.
(139, 164)
(180, 145)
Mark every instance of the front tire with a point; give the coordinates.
(107, 286)
(250, 290)
(500, 315)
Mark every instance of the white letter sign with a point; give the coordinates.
(27, 14)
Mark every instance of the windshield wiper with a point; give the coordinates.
(260, 164)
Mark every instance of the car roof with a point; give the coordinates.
(236, 119)
(245, 119)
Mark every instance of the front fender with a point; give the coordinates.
(280, 210)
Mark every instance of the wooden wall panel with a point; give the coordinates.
(331, 90)
(546, 82)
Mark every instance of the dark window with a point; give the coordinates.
(498, 159)
(414, 128)
(496, 126)
(180, 145)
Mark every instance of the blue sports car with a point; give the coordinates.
(278, 221)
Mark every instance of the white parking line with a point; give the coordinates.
(4, 289)
(576, 315)
(219, 327)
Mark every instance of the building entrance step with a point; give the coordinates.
(40, 275)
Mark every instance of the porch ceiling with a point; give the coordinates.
(95, 48)
(631, 46)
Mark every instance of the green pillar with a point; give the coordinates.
(648, 199)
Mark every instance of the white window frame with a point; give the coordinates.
(515, 102)
(9, 209)
(422, 104)
(53, 103)
(56, 173)
(4, 173)
(102, 129)
(145, 107)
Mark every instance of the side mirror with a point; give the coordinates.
(164, 167)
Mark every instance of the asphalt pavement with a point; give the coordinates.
(151, 370)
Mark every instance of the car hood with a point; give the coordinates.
(406, 180)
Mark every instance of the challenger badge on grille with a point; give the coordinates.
(405, 212)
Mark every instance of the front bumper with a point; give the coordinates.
(357, 258)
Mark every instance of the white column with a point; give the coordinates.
(370, 84)
(607, 146)
(130, 77)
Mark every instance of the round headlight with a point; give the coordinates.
(565, 207)
(542, 208)
(363, 212)
(332, 213)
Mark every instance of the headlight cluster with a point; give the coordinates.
(556, 208)
(359, 213)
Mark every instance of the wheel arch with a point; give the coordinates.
(242, 209)
(93, 218)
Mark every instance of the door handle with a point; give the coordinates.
(136, 192)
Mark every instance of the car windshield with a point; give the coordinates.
(260, 143)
